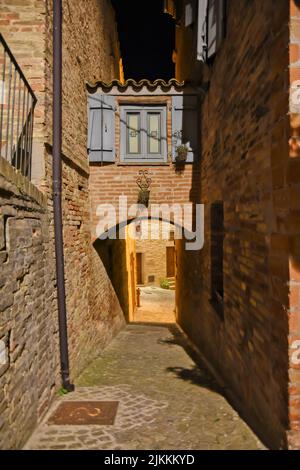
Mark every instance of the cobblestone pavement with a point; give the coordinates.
(157, 305)
(165, 400)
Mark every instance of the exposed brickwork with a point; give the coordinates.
(90, 50)
(28, 320)
(23, 25)
(168, 185)
(245, 165)
(249, 161)
(292, 193)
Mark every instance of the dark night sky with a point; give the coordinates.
(147, 39)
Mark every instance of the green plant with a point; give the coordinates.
(181, 153)
(164, 284)
(62, 391)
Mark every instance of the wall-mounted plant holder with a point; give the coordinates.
(181, 153)
(143, 182)
(143, 197)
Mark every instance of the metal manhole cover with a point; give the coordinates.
(85, 412)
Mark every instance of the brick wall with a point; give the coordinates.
(90, 50)
(244, 164)
(29, 376)
(291, 191)
(170, 184)
(23, 27)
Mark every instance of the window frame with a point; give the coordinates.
(139, 126)
(144, 156)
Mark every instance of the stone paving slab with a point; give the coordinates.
(157, 305)
(166, 401)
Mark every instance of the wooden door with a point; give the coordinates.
(170, 261)
(139, 268)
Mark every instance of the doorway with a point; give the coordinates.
(155, 272)
(170, 259)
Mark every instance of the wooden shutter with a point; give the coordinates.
(189, 15)
(185, 125)
(215, 25)
(201, 33)
(101, 128)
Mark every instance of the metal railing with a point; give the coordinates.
(17, 103)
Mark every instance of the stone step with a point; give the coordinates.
(172, 283)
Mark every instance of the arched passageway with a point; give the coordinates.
(140, 257)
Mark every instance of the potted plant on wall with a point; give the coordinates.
(181, 153)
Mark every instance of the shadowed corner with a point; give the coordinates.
(197, 374)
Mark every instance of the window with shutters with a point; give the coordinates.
(215, 25)
(101, 128)
(185, 125)
(143, 134)
(211, 27)
(144, 129)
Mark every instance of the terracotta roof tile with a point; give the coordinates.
(136, 86)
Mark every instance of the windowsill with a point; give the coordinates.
(143, 163)
(168, 163)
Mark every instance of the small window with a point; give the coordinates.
(217, 238)
(143, 134)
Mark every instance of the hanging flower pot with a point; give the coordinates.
(181, 153)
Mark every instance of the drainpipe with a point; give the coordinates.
(57, 185)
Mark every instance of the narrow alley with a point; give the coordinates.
(148, 371)
(150, 225)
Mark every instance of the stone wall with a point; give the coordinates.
(245, 133)
(90, 50)
(29, 369)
